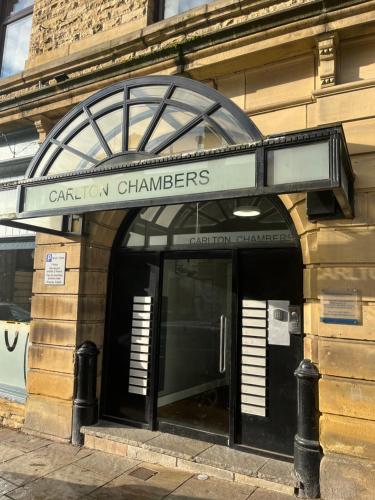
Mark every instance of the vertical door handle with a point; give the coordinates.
(223, 344)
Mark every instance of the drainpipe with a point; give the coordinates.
(85, 404)
(307, 451)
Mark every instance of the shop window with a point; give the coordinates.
(15, 36)
(171, 8)
(16, 274)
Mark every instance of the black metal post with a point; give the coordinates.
(85, 404)
(307, 452)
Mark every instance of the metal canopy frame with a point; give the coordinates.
(166, 95)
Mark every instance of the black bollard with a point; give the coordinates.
(85, 404)
(307, 451)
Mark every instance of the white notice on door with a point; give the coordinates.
(278, 322)
(54, 273)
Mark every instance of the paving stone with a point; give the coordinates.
(20, 441)
(177, 446)
(30, 466)
(106, 464)
(233, 460)
(280, 472)
(6, 486)
(130, 435)
(7, 453)
(66, 452)
(211, 489)
(131, 488)
(262, 494)
(67, 483)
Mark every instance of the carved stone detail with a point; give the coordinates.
(43, 125)
(327, 64)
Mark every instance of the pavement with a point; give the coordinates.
(36, 468)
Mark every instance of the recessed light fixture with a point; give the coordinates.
(246, 211)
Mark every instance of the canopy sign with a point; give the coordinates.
(143, 186)
(315, 161)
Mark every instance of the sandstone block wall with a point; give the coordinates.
(84, 23)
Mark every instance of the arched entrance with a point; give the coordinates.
(198, 338)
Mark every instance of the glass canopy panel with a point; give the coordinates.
(72, 126)
(172, 120)
(228, 123)
(116, 98)
(202, 136)
(157, 91)
(52, 148)
(140, 116)
(209, 224)
(68, 162)
(87, 142)
(308, 162)
(192, 98)
(110, 126)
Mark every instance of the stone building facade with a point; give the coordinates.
(289, 65)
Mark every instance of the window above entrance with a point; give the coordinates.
(143, 118)
(210, 224)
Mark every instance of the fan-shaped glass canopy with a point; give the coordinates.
(143, 117)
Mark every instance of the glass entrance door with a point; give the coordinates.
(195, 344)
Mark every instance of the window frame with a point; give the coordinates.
(5, 22)
(160, 7)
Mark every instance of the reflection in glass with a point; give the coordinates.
(68, 162)
(87, 142)
(78, 120)
(170, 121)
(19, 5)
(173, 7)
(108, 101)
(140, 116)
(110, 126)
(16, 46)
(228, 123)
(194, 348)
(148, 91)
(16, 271)
(202, 136)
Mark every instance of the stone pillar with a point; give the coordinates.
(54, 326)
(62, 318)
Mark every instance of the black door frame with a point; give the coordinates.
(152, 423)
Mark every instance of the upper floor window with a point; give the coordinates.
(15, 35)
(172, 7)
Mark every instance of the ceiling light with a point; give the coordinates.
(246, 211)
